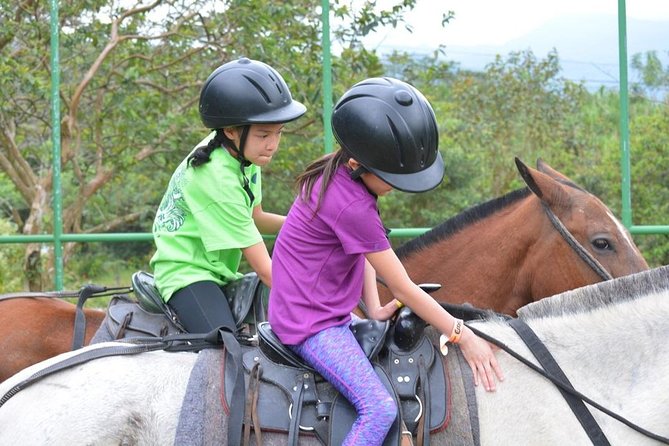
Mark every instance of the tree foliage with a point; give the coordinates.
(130, 79)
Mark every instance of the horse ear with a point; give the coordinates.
(543, 166)
(548, 189)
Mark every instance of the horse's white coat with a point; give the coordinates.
(120, 400)
(615, 353)
(616, 358)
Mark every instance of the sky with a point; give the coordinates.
(495, 22)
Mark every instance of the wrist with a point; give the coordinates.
(456, 331)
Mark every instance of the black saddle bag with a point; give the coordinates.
(149, 316)
(126, 318)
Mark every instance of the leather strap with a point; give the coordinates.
(80, 318)
(81, 358)
(224, 336)
(251, 412)
(551, 366)
(296, 412)
(575, 245)
(424, 423)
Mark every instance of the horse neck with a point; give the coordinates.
(484, 263)
(588, 338)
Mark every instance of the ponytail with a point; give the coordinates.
(202, 154)
(326, 166)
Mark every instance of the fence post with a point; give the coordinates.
(55, 140)
(626, 208)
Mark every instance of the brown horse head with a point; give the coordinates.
(591, 224)
(507, 252)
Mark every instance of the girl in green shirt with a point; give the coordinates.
(211, 214)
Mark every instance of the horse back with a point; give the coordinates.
(35, 329)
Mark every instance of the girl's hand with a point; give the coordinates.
(480, 356)
(385, 312)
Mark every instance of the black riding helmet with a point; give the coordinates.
(244, 92)
(390, 129)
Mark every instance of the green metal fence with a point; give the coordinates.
(58, 238)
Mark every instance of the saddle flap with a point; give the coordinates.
(403, 365)
(277, 391)
(418, 398)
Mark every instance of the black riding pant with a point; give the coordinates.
(201, 307)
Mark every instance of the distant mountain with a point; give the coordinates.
(586, 44)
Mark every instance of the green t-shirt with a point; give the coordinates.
(203, 222)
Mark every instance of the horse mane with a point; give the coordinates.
(590, 297)
(460, 221)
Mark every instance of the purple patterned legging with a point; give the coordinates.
(337, 356)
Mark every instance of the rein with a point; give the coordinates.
(36, 294)
(575, 245)
(565, 386)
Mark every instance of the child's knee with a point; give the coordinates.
(386, 410)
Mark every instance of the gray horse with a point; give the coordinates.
(609, 338)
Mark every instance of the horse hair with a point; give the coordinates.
(460, 221)
(595, 296)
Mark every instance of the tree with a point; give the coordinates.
(130, 82)
(520, 106)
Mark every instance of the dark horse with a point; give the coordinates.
(535, 242)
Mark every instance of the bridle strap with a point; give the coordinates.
(575, 245)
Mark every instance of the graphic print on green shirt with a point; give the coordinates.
(203, 222)
(172, 210)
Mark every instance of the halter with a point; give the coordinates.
(576, 246)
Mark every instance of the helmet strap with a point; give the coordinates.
(243, 162)
(355, 174)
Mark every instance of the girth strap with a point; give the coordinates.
(227, 338)
(549, 364)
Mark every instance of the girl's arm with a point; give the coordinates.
(259, 260)
(267, 222)
(370, 295)
(477, 352)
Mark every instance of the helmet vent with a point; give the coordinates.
(397, 137)
(277, 84)
(258, 87)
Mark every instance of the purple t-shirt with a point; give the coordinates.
(318, 261)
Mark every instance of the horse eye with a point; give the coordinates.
(601, 244)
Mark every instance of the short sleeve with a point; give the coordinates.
(227, 226)
(360, 229)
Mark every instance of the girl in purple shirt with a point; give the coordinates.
(333, 244)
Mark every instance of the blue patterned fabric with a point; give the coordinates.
(337, 356)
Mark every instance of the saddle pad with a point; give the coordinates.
(201, 419)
